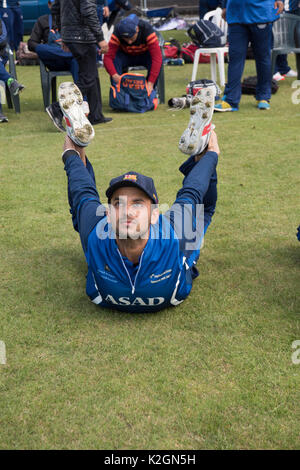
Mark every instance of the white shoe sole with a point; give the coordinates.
(78, 127)
(192, 142)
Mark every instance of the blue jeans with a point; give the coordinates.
(199, 187)
(57, 60)
(239, 36)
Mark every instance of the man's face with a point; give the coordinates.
(133, 38)
(130, 213)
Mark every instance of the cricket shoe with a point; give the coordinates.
(78, 127)
(196, 136)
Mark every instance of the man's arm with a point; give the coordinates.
(156, 58)
(108, 60)
(280, 6)
(37, 35)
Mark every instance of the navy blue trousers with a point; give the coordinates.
(239, 36)
(199, 187)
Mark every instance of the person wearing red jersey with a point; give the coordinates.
(133, 43)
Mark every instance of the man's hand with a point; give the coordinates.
(150, 86)
(224, 14)
(70, 145)
(65, 48)
(105, 12)
(103, 47)
(280, 6)
(213, 145)
(116, 77)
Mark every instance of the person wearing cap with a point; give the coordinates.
(140, 260)
(133, 43)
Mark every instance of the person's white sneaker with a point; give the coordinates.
(291, 73)
(78, 127)
(196, 136)
(278, 77)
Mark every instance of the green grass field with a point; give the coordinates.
(215, 372)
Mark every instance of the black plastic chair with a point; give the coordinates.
(13, 101)
(48, 82)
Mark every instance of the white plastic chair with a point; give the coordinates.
(214, 16)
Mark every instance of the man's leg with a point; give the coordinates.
(57, 60)
(261, 43)
(238, 37)
(88, 79)
(4, 75)
(282, 65)
(18, 28)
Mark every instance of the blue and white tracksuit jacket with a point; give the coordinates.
(166, 267)
(250, 11)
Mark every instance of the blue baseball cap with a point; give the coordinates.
(127, 26)
(132, 178)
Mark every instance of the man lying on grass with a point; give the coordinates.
(138, 260)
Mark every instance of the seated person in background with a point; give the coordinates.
(46, 42)
(133, 43)
(5, 77)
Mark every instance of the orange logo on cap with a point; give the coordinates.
(130, 177)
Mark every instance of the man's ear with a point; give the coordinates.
(154, 215)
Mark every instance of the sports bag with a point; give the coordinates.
(193, 87)
(249, 86)
(188, 53)
(171, 49)
(204, 33)
(132, 94)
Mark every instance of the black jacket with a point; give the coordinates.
(39, 33)
(77, 21)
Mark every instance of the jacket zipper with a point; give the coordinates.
(140, 264)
